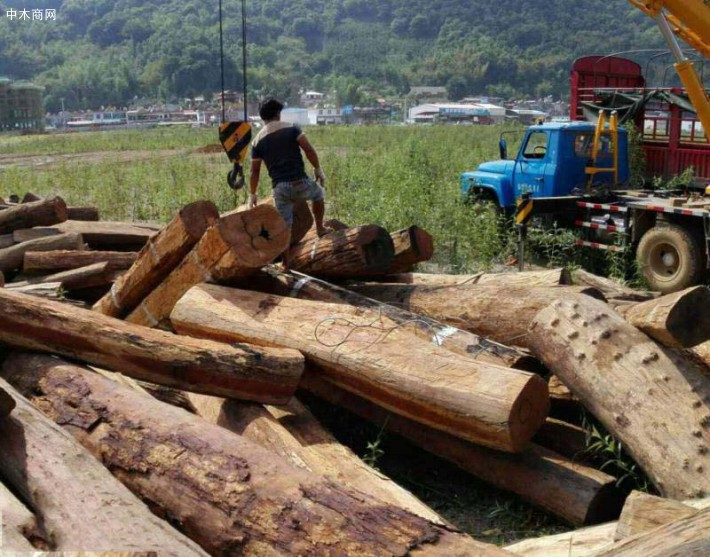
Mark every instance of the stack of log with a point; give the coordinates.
(170, 407)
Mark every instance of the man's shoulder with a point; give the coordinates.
(272, 128)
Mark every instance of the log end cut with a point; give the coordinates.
(692, 307)
(529, 412)
(198, 217)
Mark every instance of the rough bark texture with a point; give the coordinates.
(11, 258)
(228, 494)
(411, 246)
(107, 235)
(243, 372)
(27, 234)
(298, 285)
(38, 213)
(351, 253)
(81, 505)
(687, 537)
(294, 433)
(655, 404)
(65, 260)
(502, 313)
(586, 542)
(643, 512)
(98, 274)
(575, 493)
(677, 320)
(371, 355)
(158, 258)
(612, 290)
(83, 213)
(551, 277)
(18, 526)
(237, 245)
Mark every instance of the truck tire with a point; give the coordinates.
(670, 258)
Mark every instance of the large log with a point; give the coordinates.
(65, 260)
(355, 252)
(612, 290)
(98, 274)
(107, 235)
(586, 542)
(574, 492)
(27, 234)
(564, 438)
(686, 537)
(298, 285)
(38, 213)
(502, 313)
(12, 258)
(643, 512)
(653, 403)
(18, 526)
(302, 217)
(293, 433)
(551, 277)
(158, 258)
(81, 505)
(371, 355)
(411, 246)
(236, 246)
(264, 375)
(678, 320)
(228, 494)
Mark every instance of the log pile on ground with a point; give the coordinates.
(492, 372)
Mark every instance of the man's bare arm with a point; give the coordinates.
(254, 176)
(309, 151)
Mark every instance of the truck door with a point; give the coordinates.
(532, 162)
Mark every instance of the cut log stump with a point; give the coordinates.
(37, 213)
(411, 246)
(228, 494)
(653, 403)
(81, 504)
(243, 372)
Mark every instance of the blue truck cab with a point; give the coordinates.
(551, 163)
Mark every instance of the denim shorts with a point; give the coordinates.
(285, 193)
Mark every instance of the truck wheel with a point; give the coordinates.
(671, 259)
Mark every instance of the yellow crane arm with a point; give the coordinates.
(690, 19)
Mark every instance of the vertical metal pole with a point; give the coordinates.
(221, 58)
(244, 56)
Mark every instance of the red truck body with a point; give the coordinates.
(673, 138)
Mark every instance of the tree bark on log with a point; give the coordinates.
(678, 320)
(107, 235)
(371, 355)
(501, 313)
(686, 537)
(612, 290)
(411, 246)
(83, 213)
(29, 197)
(298, 285)
(551, 277)
(66, 260)
(27, 234)
(12, 258)
(244, 372)
(18, 526)
(98, 274)
(159, 258)
(571, 491)
(236, 246)
(653, 403)
(293, 433)
(355, 252)
(228, 494)
(643, 512)
(38, 213)
(586, 542)
(81, 505)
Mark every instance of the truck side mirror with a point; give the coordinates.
(503, 147)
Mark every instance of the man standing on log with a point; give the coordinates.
(279, 145)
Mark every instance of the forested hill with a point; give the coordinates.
(101, 52)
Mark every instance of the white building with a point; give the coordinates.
(298, 116)
(439, 112)
(325, 116)
(312, 98)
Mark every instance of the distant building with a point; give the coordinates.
(457, 112)
(298, 116)
(312, 98)
(526, 116)
(425, 94)
(325, 116)
(21, 106)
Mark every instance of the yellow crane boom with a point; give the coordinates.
(690, 20)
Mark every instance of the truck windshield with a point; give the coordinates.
(536, 146)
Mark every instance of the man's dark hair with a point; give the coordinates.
(270, 108)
